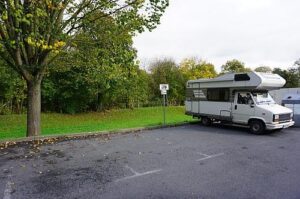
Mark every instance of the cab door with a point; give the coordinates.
(243, 107)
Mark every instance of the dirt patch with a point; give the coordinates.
(60, 182)
(56, 153)
(51, 162)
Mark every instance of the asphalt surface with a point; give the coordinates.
(182, 162)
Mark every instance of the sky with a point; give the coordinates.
(256, 32)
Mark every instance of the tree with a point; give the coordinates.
(103, 63)
(291, 76)
(140, 93)
(192, 68)
(234, 66)
(166, 71)
(297, 64)
(12, 90)
(34, 32)
(263, 69)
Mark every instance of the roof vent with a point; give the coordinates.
(241, 77)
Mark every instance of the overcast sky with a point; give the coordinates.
(257, 32)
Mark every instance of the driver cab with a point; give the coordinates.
(243, 107)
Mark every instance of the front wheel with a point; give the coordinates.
(257, 127)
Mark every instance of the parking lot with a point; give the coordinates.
(189, 161)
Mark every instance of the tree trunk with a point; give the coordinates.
(33, 108)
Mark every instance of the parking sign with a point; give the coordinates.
(164, 87)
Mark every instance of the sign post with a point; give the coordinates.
(163, 89)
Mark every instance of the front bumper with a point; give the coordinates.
(279, 125)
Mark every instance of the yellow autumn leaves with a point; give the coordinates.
(58, 45)
(53, 6)
(194, 68)
(4, 16)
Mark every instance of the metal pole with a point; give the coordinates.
(164, 96)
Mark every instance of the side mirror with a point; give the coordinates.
(252, 105)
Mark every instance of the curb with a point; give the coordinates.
(86, 135)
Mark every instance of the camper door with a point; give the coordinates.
(243, 107)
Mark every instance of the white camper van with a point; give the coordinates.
(238, 99)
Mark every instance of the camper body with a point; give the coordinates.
(238, 99)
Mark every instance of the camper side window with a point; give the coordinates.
(218, 94)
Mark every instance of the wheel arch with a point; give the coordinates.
(255, 119)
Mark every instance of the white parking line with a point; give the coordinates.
(132, 170)
(137, 174)
(208, 156)
(202, 154)
(8, 189)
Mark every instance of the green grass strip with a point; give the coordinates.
(14, 126)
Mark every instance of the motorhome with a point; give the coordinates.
(238, 99)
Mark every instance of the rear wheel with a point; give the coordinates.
(257, 127)
(206, 121)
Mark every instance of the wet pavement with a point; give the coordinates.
(190, 161)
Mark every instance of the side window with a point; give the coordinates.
(213, 95)
(218, 94)
(244, 98)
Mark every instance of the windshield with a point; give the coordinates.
(262, 98)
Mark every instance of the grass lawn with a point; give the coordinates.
(14, 126)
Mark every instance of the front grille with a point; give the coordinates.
(284, 117)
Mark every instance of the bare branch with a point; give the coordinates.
(74, 27)
(5, 39)
(82, 6)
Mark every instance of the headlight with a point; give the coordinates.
(275, 118)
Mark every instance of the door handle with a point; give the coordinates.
(235, 107)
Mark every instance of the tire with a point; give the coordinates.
(257, 127)
(205, 121)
